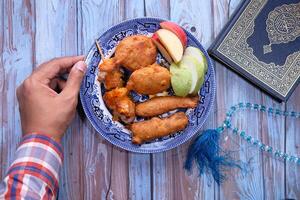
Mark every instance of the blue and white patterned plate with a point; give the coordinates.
(91, 91)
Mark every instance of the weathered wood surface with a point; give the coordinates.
(32, 31)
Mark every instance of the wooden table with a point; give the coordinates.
(33, 31)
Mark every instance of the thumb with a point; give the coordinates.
(74, 79)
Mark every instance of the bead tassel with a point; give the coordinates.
(206, 152)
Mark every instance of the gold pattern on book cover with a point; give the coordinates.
(235, 48)
(283, 25)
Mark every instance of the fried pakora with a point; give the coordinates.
(112, 96)
(113, 80)
(156, 127)
(122, 106)
(125, 110)
(109, 64)
(160, 105)
(135, 52)
(138, 54)
(149, 80)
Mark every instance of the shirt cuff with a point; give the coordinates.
(40, 156)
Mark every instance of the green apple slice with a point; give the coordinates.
(191, 64)
(181, 79)
(198, 86)
(198, 54)
(198, 72)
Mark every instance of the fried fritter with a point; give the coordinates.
(149, 80)
(155, 128)
(125, 107)
(109, 73)
(135, 52)
(121, 105)
(113, 80)
(112, 96)
(109, 65)
(160, 105)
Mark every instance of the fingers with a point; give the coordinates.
(61, 84)
(57, 84)
(72, 86)
(54, 67)
(53, 83)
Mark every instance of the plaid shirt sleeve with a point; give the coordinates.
(34, 172)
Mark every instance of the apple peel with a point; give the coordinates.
(161, 48)
(172, 43)
(177, 30)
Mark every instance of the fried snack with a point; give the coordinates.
(160, 105)
(113, 80)
(122, 106)
(109, 65)
(101, 76)
(155, 128)
(135, 52)
(149, 80)
(112, 96)
(125, 106)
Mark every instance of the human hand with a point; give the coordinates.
(42, 109)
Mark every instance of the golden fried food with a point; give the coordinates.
(111, 97)
(155, 128)
(113, 80)
(160, 105)
(125, 107)
(121, 105)
(135, 52)
(149, 80)
(109, 65)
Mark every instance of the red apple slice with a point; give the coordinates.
(161, 48)
(177, 30)
(172, 43)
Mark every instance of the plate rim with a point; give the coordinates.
(192, 133)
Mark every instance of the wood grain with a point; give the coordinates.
(139, 164)
(168, 174)
(105, 167)
(161, 181)
(292, 146)
(229, 92)
(273, 134)
(55, 27)
(33, 31)
(3, 156)
(157, 8)
(17, 44)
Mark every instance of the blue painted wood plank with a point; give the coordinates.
(93, 168)
(231, 90)
(273, 134)
(196, 14)
(3, 156)
(270, 131)
(169, 178)
(139, 177)
(292, 146)
(161, 181)
(157, 8)
(56, 28)
(133, 9)
(139, 164)
(17, 42)
(105, 167)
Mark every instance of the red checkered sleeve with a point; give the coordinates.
(34, 172)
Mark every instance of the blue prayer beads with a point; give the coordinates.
(275, 112)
